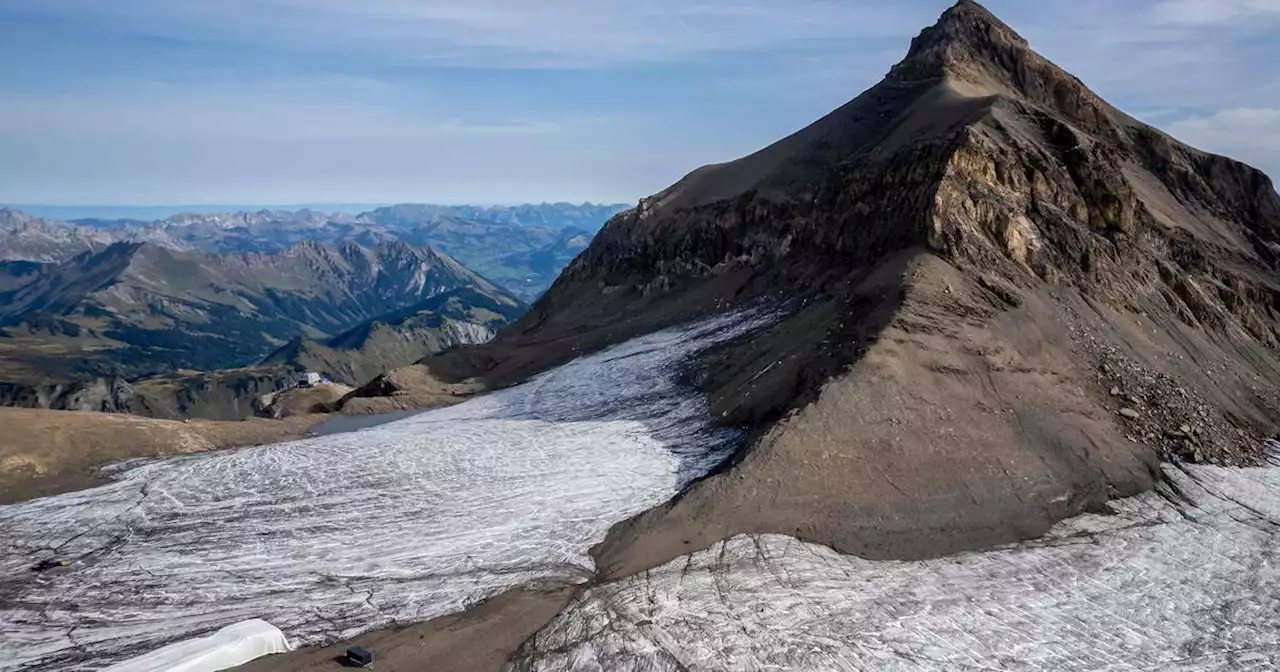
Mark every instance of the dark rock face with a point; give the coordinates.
(958, 253)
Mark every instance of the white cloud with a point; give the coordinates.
(246, 114)
(292, 93)
(1198, 12)
(249, 146)
(508, 33)
(1239, 118)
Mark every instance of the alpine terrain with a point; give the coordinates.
(975, 372)
(134, 327)
(519, 247)
(467, 315)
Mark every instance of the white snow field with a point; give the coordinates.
(1186, 578)
(330, 537)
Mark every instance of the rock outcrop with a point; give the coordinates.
(296, 401)
(228, 394)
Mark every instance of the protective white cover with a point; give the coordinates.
(233, 645)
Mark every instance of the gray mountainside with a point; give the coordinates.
(72, 333)
(354, 357)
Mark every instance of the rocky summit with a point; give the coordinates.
(1002, 302)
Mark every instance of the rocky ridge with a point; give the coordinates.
(400, 338)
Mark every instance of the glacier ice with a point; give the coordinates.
(1183, 578)
(333, 536)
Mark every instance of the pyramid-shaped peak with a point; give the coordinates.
(967, 34)
(970, 22)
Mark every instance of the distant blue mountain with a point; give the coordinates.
(150, 213)
(587, 216)
(520, 247)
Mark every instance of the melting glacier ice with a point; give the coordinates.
(1183, 578)
(333, 536)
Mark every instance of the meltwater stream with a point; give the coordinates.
(337, 535)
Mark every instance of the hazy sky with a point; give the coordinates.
(499, 101)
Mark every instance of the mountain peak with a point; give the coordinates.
(967, 34)
(13, 217)
(971, 23)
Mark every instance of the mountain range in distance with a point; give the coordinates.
(522, 248)
(135, 307)
(97, 332)
(150, 213)
(200, 314)
(566, 211)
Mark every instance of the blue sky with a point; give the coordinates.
(502, 101)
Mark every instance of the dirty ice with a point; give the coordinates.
(330, 537)
(1183, 578)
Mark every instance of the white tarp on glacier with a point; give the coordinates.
(233, 645)
(1187, 578)
(333, 536)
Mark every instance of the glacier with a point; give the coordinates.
(1183, 578)
(329, 537)
(334, 536)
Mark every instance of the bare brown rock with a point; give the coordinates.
(406, 388)
(301, 400)
(47, 452)
(478, 640)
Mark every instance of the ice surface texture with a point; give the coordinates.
(1185, 578)
(333, 536)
